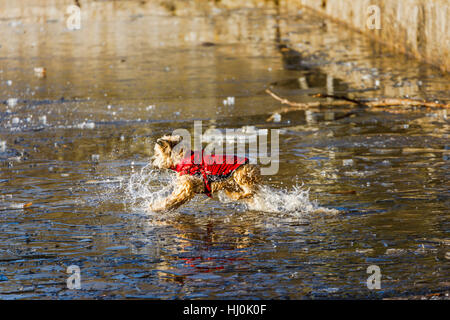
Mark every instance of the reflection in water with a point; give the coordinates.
(312, 83)
(134, 72)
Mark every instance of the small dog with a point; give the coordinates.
(199, 173)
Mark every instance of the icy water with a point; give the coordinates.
(77, 144)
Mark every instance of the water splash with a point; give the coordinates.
(293, 202)
(148, 186)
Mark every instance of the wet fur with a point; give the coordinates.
(242, 184)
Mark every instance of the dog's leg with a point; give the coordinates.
(246, 179)
(247, 192)
(234, 195)
(184, 191)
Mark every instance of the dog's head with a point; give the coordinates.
(165, 156)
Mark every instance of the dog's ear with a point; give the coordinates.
(169, 141)
(176, 140)
(163, 143)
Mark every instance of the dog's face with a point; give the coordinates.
(164, 157)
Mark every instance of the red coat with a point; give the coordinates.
(211, 167)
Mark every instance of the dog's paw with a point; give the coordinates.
(157, 208)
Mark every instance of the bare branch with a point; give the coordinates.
(382, 104)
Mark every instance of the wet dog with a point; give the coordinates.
(200, 173)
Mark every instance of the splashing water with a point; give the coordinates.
(295, 201)
(148, 186)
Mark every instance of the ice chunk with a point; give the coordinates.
(12, 102)
(90, 125)
(95, 158)
(43, 119)
(40, 72)
(276, 117)
(347, 162)
(86, 125)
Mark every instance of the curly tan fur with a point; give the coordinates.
(242, 184)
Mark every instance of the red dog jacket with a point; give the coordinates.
(212, 167)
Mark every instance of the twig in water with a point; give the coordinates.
(344, 101)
